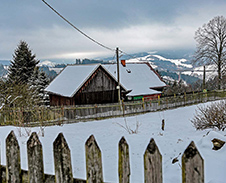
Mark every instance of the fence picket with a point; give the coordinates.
(13, 169)
(192, 165)
(123, 162)
(152, 163)
(62, 160)
(94, 173)
(192, 162)
(35, 159)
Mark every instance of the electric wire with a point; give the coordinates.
(90, 38)
(131, 56)
(87, 36)
(84, 34)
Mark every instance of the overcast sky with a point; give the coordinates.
(131, 25)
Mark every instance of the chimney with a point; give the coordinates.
(123, 62)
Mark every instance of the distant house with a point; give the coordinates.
(95, 84)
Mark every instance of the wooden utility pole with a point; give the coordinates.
(118, 76)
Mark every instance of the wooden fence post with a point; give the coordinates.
(13, 169)
(62, 160)
(192, 165)
(152, 163)
(159, 99)
(35, 159)
(123, 161)
(94, 173)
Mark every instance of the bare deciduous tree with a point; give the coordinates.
(211, 116)
(211, 45)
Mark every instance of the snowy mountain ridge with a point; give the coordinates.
(47, 63)
(162, 63)
(210, 70)
(166, 62)
(177, 62)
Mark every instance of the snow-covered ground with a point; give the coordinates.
(178, 133)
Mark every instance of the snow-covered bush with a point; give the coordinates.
(211, 116)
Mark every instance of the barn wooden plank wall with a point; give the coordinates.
(192, 162)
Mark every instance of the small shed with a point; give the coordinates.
(96, 84)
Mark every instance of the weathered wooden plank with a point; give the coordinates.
(123, 161)
(35, 159)
(48, 178)
(94, 172)
(62, 160)
(192, 165)
(152, 163)
(13, 169)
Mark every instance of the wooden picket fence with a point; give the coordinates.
(192, 162)
(45, 116)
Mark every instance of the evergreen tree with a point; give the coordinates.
(38, 82)
(32, 82)
(23, 64)
(43, 83)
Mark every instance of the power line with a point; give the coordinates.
(84, 34)
(131, 56)
(87, 36)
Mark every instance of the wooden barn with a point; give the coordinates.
(96, 84)
(83, 84)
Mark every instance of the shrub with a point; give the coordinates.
(211, 116)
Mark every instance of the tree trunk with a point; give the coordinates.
(219, 76)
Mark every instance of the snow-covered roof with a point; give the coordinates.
(137, 78)
(71, 79)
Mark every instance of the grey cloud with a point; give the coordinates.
(26, 14)
(106, 21)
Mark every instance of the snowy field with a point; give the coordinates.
(172, 142)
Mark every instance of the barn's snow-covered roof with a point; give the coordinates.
(71, 79)
(137, 78)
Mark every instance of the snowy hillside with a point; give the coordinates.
(47, 63)
(175, 66)
(166, 62)
(210, 70)
(162, 63)
(172, 142)
(169, 68)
